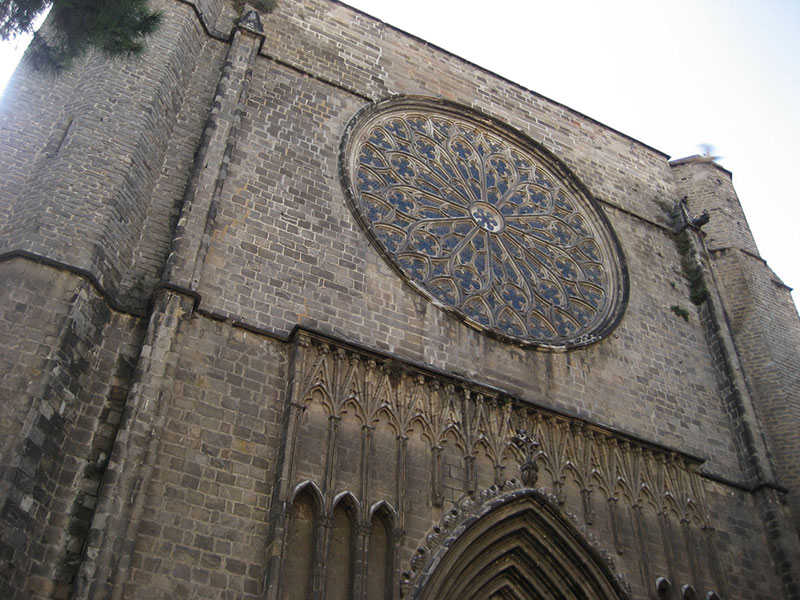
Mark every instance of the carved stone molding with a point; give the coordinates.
(468, 511)
(484, 421)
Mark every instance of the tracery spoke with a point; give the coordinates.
(444, 152)
(524, 283)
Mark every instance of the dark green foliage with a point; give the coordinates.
(114, 27)
(17, 16)
(698, 292)
(680, 311)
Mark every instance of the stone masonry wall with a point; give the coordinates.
(64, 383)
(170, 438)
(283, 231)
(760, 312)
(203, 531)
(81, 190)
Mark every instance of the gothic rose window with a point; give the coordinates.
(484, 223)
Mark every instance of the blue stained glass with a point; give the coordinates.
(476, 194)
(426, 149)
(566, 268)
(539, 199)
(511, 274)
(590, 250)
(462, 191)
(378, 138)
(563, 326)
(461, 150)
(427, 201)
(426, 245)
(541, 180)
(442, 127)
(444, 293)
(402, 167)
(374, 211)
(592, 296)
(500, 166)
(418, 123)
(594, 274)
(477, 312)
(367, 183)
(439, 172)
(497, 251)
(476, 188)
(450, 242)
(452, 211)
(427, 187)
(498, 271)
(397, 129)
(399, 201)
(562, 202)
(515, 298)
(467, 280)
(577, 225)
(485, 219)
(389, 241)
(368, 157)
(580, 313)
(463, 227)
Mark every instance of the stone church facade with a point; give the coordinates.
(300, 306)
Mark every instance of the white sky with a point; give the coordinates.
(672, 73)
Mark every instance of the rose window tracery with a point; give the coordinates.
(484, 223)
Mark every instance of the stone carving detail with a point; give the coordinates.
(482, 421)
(528, 469)
(484, 223)
(468, 509)
(574, 463)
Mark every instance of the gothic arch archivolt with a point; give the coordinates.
(519, 545)
(408, 447)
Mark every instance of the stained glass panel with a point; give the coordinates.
(484, 223)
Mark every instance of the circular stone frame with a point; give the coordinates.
(484, 222)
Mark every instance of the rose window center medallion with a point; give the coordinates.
(484, 222)
(487, 216)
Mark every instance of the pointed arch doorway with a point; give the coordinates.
(518, 548)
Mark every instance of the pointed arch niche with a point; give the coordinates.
(518, 547)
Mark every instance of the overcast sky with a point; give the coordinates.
(674, 74)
